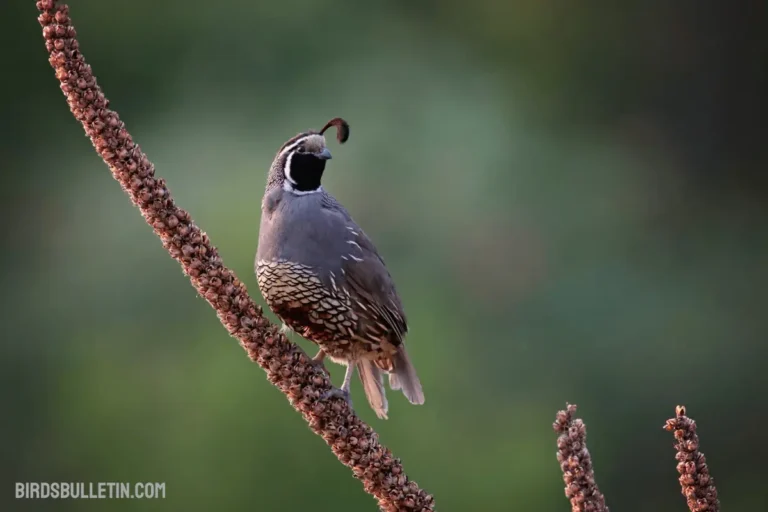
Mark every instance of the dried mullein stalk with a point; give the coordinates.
(576, 463)
(697, 485)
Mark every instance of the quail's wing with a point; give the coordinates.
(372, 288)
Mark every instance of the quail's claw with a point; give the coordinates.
(338, 393)
(319, 360)
(343, 391)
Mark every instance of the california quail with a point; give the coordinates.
(322, 276)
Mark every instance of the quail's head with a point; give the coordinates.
(302, 159)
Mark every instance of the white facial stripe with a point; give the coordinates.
(289, 150)
(292, 146)
(289, 188)
(287, 170)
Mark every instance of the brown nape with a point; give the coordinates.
(342, 129)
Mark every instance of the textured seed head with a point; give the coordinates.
(576, 463)
(695, 481)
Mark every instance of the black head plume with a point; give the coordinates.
(342, 129)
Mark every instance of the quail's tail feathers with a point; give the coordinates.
(403, 377)
(373, 385)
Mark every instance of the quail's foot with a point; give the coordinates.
(335, 392)
(343, 391)
(319, 362)
(319, 359)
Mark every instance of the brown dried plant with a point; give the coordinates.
(576, 463)
(353, 442)
(697, 485)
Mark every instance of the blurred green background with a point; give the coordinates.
(571, 197)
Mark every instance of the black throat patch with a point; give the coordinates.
(306, 171)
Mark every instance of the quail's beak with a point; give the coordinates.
(324, 154)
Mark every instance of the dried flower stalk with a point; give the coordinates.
(576, 463)
(354, 443)
(697, 485)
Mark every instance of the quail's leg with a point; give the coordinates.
(347, 384)
(343, 391)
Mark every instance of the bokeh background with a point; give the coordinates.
(570, 195)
